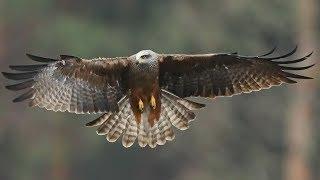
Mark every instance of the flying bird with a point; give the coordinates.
(142, 96)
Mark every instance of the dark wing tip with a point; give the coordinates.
(296, 76)
(9, 75)
(290, 81)
(299, 68)
(285, 55)
(270, 52)
(19, 76)
(294, 61)
(91, 123)
(20, 86)
(296, 68)
(310, 54)
(40, 59)
(4, 74)
(28, 67)
(200, 105)
(27, 95)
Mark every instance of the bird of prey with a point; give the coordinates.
(142, 96)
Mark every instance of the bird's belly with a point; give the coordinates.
(145, 102)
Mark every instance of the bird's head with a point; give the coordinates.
(145, 56)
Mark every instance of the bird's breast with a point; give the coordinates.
(143, 74)
(145, 92)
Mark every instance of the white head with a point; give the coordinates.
(146, 56)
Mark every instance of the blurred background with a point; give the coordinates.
(271, 134)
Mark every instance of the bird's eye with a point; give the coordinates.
(145, 56)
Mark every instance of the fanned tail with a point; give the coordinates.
(174, 111)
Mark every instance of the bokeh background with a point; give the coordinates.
(271, 134)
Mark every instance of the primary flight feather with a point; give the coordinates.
(142, 96)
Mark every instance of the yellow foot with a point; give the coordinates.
(153, 102)
(141, 106)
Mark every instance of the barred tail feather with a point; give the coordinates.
(178, 110)
(161, 138)
(142, 134)
(167, 130)
(178, 116)
(154, 136)
(130, 134)
(120, 125)
(175, 112)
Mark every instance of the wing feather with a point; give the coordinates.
(220, 74)
(28, 67)
(20, 86)
(72, 84)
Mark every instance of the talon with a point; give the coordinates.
(153, 102)
(141, 106)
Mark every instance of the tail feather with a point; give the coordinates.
(120, 125)
(179, 115)
(113, 120)
(168, 131)
(99, 120)
(151, 141)
(142, 135)
(185, 102)
(102, 119)
(176, 118)
(154, 136)
(107, 125)
(130, 134)
(161, 138)
(174, 111)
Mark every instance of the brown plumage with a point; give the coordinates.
(142, 96)
(213, 75)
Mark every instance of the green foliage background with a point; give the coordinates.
(233, 138)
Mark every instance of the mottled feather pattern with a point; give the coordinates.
(131, 133)
(62, 93)
(143, 129)
(72, 84)
(176, 112)
(116, 123)
(119, 127)
(211, 75)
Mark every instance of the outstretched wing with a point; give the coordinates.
(211, 75)
(72, 84)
